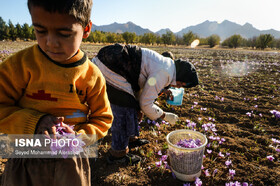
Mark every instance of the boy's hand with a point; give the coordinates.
(67, 128)
(47, 125)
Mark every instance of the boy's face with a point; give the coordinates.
(58, 35)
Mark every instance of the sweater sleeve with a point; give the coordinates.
(100, 118)
(154, 84)
(13, 81)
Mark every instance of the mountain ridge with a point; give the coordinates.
(224, 29)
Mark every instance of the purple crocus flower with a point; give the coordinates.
(275, 113)
(191, 143)
(198, 182)
(164, 157)
(71, 143)
(228, 163)
(158, 163)
(249, 114)
(231, 173)
(207, 174)
(221, 155)
(215, 172)
(270, 158)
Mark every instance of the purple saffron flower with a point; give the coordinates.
(207, 174)
(228, 163)
(249, 114)
(275, 113)
(221, 155)
(198, 182)
(191, 143)
(231, 173)
(233, 184)
(270, 158)
(164, 157)
(158, 163)
(187, 184)
(157, 124)
(215, 172)
(66, 142)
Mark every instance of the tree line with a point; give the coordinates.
(13, 32)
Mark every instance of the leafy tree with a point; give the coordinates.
(27, 31)
(179, 40)
(203, 41)
(19, 31)
(119, 38)
(129, 37)
(168, 38)
(98, 36)
(189, 37)
(233, 41)
(111, 37)
(213, 40)
(159, 40)
(277, 43)
(3, 29)
(149, 38)
(12, 31)
(264, 40)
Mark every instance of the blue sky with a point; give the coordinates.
(172, 14)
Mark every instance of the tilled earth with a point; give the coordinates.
(238, 90)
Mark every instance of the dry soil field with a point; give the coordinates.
(232, 107)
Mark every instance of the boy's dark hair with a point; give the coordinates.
(80, 9)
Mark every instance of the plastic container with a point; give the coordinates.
(185, 163)
(178, 94)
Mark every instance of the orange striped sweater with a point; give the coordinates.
(32, 85)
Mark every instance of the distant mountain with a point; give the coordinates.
(226, 29)
(205, 29)
(163, 31)
(121, 28)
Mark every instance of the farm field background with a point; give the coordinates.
(232, 106)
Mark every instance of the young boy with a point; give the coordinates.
(51, 82)
(135, 76)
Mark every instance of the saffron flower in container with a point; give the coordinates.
(185, 151)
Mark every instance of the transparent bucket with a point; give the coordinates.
(185, 162)
(178, 94)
